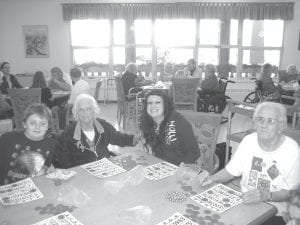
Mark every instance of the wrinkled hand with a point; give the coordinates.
(256, 195)
(204, 178)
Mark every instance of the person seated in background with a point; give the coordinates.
(267, 161)
(87, 139)
(166, 133)
(57, 81)
(292, 74)
(192, 70)
(39, 81)
(8, 80)
(80, 86)
(130, 79)
(180, 74)
(209, 87)
(27, 153)
(210, 84)
(5, 108)
(293, 209)
(168, 72)
(267, 84)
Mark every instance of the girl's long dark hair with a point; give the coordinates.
(39, 80)
(148, 125)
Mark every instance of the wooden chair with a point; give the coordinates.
(21, 99)
(206, 130)
(55, 120)
(184, 93)
(126, 109)
(6, 125)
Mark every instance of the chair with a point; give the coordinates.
(6, 125)
(206, 130)
(21, 99)
(97, 90)
(55, 120)
(126, 109)
(184, 92)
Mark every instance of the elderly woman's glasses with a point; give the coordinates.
(268, 121)
(88, 110)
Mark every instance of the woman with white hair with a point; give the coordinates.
(267, 161)
(130, 79)
(87, 139)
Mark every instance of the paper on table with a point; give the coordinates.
(218, 198)
(64, 218)
(103, 168)
(177, 219)
(160, 170)
(19, 192)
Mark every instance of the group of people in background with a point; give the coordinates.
(267, 161)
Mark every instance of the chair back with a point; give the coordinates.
(21, 99)
(184, 92)
(6, 126)
(206, 130)
(55, 120)
(120, 89)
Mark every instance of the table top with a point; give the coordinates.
(92, 204)
(56, 93)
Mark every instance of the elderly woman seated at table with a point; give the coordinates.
(168, 72)
(291, 75)
(267, 161)
(192, 70)
(265, 81)
(87, 139)
(210, 84)
(130, 79)
(167, 134)
(27, 153)
(57, 80)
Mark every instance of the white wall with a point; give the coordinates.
(16, 13)
(13, 15)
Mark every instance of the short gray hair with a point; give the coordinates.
(279, 108)
(88, 98)
(131, 67)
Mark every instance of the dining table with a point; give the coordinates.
(93, 200)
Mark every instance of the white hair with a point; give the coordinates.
(132, 67)
(279, 108)
(89, 99)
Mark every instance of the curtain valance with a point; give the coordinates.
(196, 10)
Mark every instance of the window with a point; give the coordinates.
(90, 32)
(155, 42)
(209, 32)
(142, 31)
(175, 32)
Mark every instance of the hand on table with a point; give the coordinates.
(256, 195)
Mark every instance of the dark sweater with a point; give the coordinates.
(13, 146)
(14, 83)
(74, 151)
(180, 144)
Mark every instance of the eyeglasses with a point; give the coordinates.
(268, 121)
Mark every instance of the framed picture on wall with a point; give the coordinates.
(36, 41)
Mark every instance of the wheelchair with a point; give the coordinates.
(215, 102)
(258, 95)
